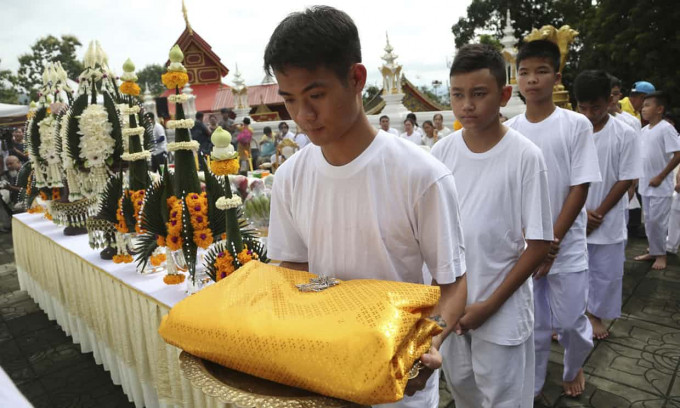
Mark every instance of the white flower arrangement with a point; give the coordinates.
(130, 157)
(136, 131)
(224, 203)
(180, 124)
(96, 145)
(192, 145)
(128, 110)
(48, 148)
(181, 98)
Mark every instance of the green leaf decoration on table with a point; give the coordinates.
(214, 190)
(147, 124)
(189, 248)
(34, 141)
(22, 181)
(128, 213)
(114, 119)
(152, 219)
(108, 206)
(146, 244)
(72, 136)
(166, 193)
(57, 131)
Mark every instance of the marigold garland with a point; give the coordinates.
(174, 278)
(121, 225)
(174, 79)
(29, 186)
(160, 241)
(130, 88)
(156, 260)
(246, 256)
(56, 194)
(127, 258)
(224, 265)
(224, 167)
(35, 210)
(137, 198)
(43, 195)
(174, 242)
(203, 238)
(197, 204)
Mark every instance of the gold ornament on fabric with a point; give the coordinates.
(356, 341)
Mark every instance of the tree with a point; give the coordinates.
(491, 40)
(369, 93)
(48, 49)
(8, 91)
(151, 75)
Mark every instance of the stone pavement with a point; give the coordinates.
(637, 366)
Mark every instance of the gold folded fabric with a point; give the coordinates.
(355, 341)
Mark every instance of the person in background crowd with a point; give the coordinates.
(431, 136)
(300, 138)
(416, 128)
(244, 139)
(267, 146)
(385, 125)
(18, 147)
(159, 149)
(227, 123)
(9, 179)
(410, 133)
(212, 122)
(633, 103)
(442, 131)
(201, 134)
(284, 132)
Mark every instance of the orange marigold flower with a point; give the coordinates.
(174, 278)
(129, 88)
(199, 221)
(172, 201)
(56, 194)
(195, 198)
(203, 238)
(43, 195)
(174, 242)
(246, 256)
(174, 79)
(160, 240)
(127, 258)
(156, 260)
(224, 167)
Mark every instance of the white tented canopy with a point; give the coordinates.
(7, 110)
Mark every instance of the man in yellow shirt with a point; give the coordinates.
(633, 103)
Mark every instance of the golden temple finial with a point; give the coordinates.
(186, 18)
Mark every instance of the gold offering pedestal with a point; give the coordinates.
(245, 391)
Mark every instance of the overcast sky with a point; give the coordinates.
(144, 30)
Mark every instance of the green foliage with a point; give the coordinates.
(370, 92)
(114, 119)
(8, 87)
(214, 191)
(72, 136)
(151, 75)
(491, 40)
(35, 131)
(108, 206)
(44, 50)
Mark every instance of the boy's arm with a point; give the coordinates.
(450, 307)
(477, 313)
(575, 200)
(672, 164)
(617, 191)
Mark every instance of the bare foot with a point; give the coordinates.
(575, 387)
(645, 257)
(600, 332)
(660, 263)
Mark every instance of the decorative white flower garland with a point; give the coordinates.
(127, 110)
(180, 124)
(96, 145)
(130, 157)
(181, 98)
(192, 145)
(224, 203)
(136, 131)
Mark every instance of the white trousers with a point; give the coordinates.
(481, 374)
(673, 242)
(560, 304)
(426, 398)
(605, 275)
(657, 212)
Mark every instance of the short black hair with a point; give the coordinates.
(151, 116)
(383, 117)
(320, 36)
(224, 110)
(428, 122)
(614, 82)
(199, 115)
(540, 49)
(413, 122)
(592, 85)
(661, 99)
(267, 130)
(473, 57)
(246, 121)
(283, 124)
(437, 114)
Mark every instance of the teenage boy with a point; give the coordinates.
(660, 155)
(385, 125)
(633, 103)
(359, 203)
(615, 106)
(618, 154)
(561, 282)
(503, 193)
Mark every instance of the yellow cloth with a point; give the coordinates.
(355, 341)
(627, 106)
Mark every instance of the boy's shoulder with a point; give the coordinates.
(522, 145)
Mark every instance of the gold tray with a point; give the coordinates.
(245, 391)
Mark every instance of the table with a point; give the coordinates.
(109, 309)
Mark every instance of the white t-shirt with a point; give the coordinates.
(630, 120)
(429, 141)
(415, 137)
(566, 140)
(618, 154)
(444, 132)
(658, 145)
(504, 199)
(158, 147)
(393, 131)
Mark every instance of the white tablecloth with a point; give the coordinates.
(109, 309)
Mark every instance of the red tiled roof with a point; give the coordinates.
(185, 38)
(257, 94)
(206, 96)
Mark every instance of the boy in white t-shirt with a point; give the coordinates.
(660, 155)
(561, 282)
(503, 192)
(618, 152)
(359, 203)
(385, 125)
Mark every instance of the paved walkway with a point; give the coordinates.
(637, 366)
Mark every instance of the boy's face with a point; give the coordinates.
(651, 110)
(476, 98)
(616, 94)
(536, 78)
(637, 100)
(320, 103)
(385, 124)
(596, 111)
(438, 121)
(408, 127)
